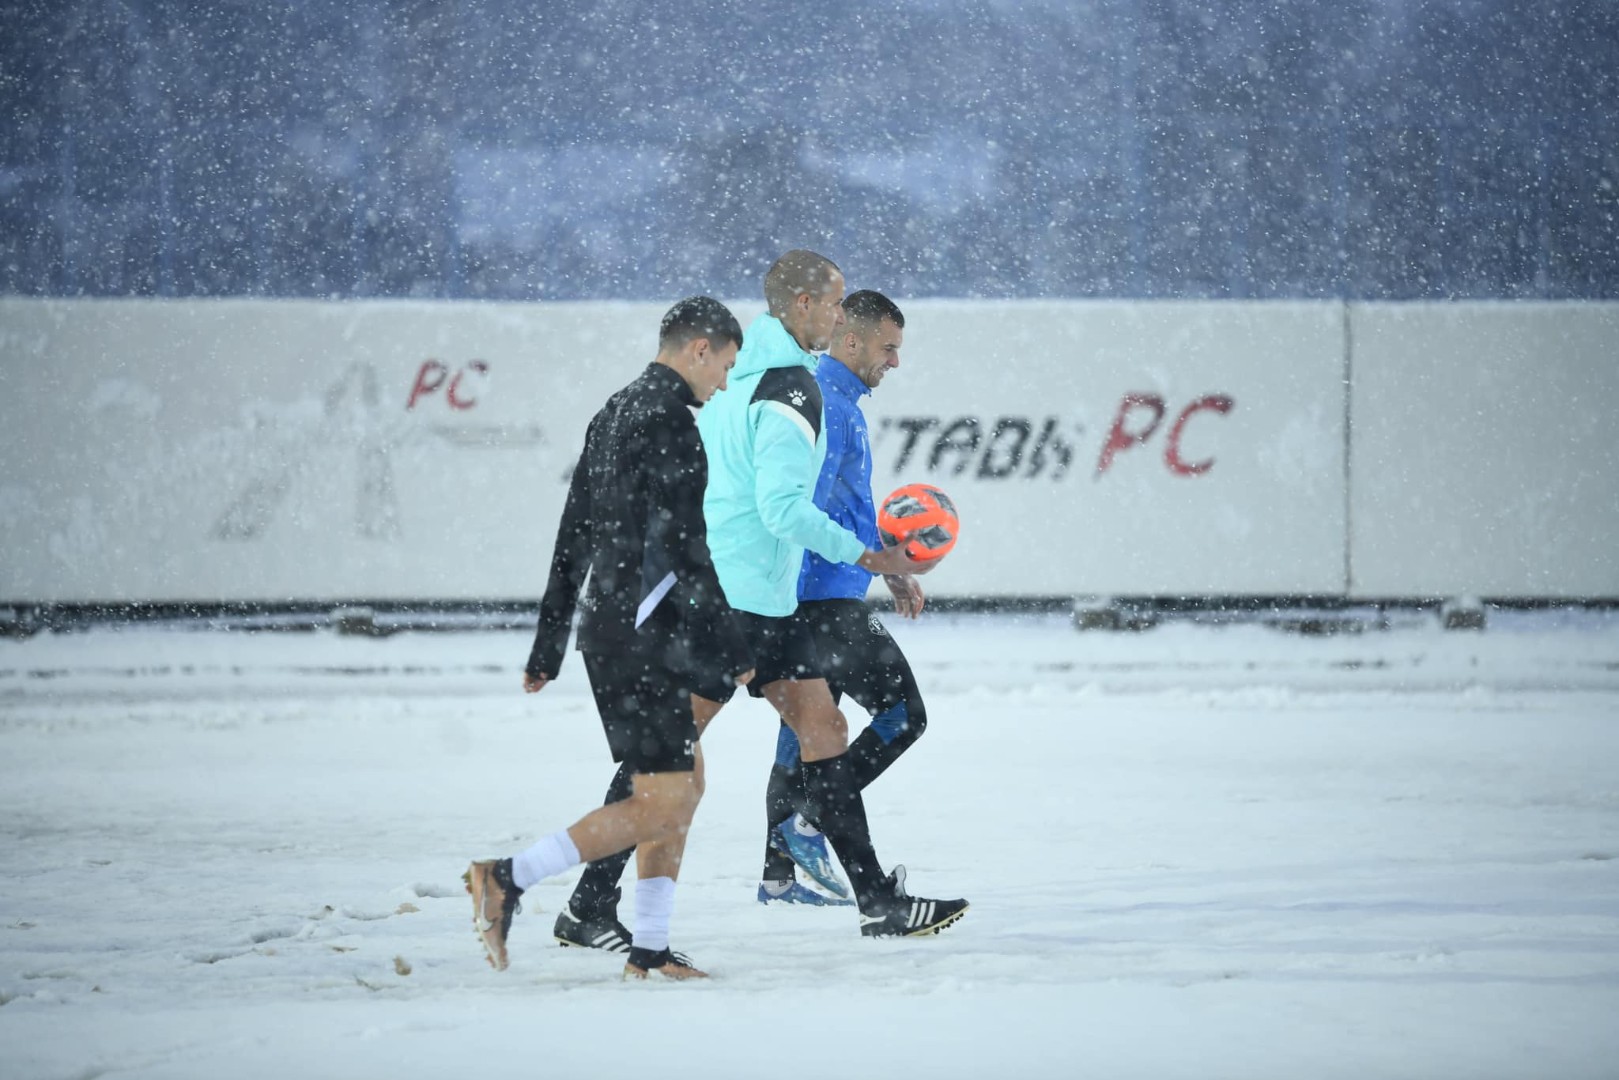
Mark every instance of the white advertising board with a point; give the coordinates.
(1484, 460)
(301, 451)
(1117, 448)
(288, 451)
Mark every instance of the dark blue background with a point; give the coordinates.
(496, 148)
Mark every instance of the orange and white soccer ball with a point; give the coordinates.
(921, 517)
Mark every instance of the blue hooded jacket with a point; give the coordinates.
(844, 489)
(764, 441)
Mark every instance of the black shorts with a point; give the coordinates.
(857, 655)
(783, 648)
(645, 710)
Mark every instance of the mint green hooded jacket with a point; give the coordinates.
(764, 442)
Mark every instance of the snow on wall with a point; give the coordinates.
(282, 451)
(1484, 456)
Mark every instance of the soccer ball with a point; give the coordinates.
(921, 517)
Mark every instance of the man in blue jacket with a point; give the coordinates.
(859, 657)
(765, 440)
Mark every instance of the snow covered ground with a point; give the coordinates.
(1193, 852)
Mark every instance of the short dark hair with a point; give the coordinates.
(795, 273)
(871, 306)
(698, 317)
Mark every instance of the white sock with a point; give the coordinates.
(548, 858)
(654, 904)
(804, 828)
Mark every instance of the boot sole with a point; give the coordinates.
(940, 925)
(673, 973)
(477, 928)
(925, 931)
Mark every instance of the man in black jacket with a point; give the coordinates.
(654, 624)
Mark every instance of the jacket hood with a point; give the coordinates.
(767, 344)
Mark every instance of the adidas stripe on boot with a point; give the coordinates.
(592, 930)
(895, 913)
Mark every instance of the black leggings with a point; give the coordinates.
(862, 661)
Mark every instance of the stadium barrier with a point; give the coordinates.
(283, 453)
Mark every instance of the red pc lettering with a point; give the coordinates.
(429, 377)
(1121, 437)
(1219, 403)
(453, 395)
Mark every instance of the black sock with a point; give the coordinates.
(783, 795)
(836, 807)
(889, 735)
(597, 891)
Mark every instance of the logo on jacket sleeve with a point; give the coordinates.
(796, 397)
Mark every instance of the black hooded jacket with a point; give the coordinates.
(634, 520)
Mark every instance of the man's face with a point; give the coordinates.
(876, 351)
(825, 313)
(711, 365)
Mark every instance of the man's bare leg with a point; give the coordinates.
(590, 917)
(661, 858)
(660, 806)
(657, 865)
(808, 709)
(806, 706)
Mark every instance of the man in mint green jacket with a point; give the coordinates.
(765, 447)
